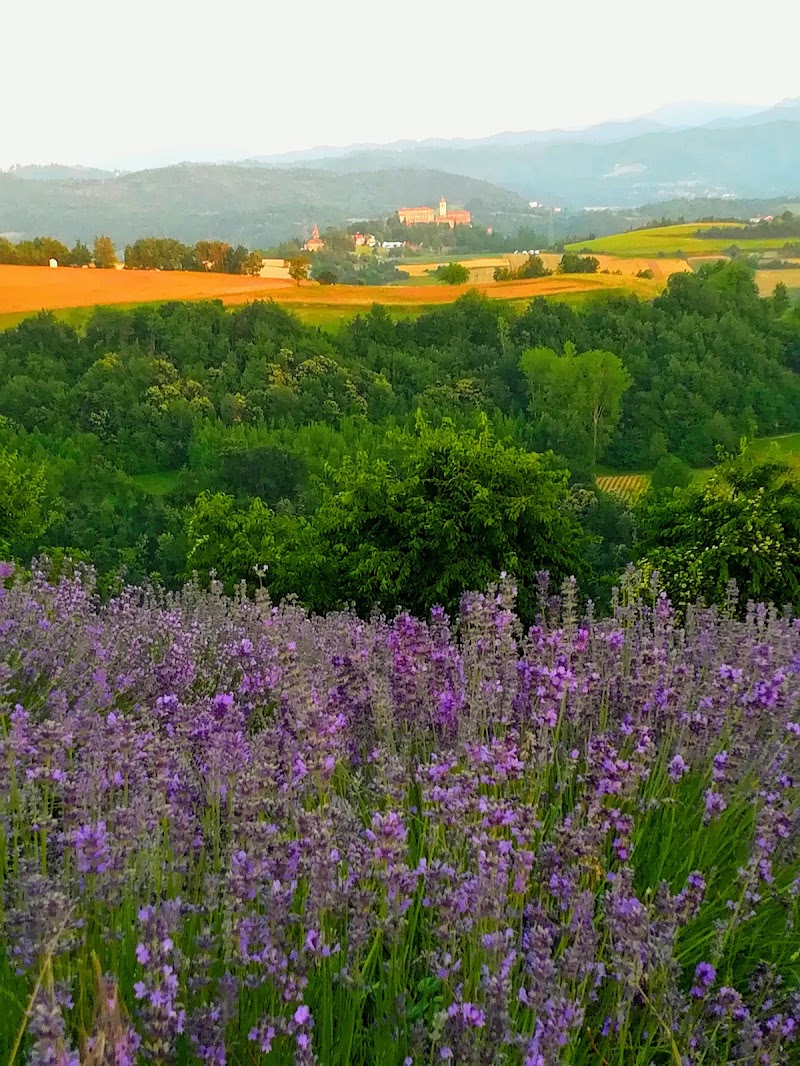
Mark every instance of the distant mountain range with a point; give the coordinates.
(694, 151)
(670, 153)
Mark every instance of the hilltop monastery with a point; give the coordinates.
(412, 216)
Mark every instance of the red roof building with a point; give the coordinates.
(314, 243)
(412, 216)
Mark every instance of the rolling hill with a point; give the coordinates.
(253, 205)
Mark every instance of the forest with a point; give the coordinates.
(401, 462)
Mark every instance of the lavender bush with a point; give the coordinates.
(235, 833)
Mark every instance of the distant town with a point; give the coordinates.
(409, 216)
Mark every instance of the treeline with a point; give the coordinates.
(166, 253)
(185, 436)
(40, 250)
(148, 253)
(786, 225)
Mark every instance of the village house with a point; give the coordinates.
(362, 239)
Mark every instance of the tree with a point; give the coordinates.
(258, 546)
(742, 523)
(235, 258)
(580, 394)
(211, 255)
(298, 268)
(252, 264)
(21, 492)
(271, 473)
(80, 255)
(572, 263)
(533, 267)
(781, 300)
(455, 510)
(452, 274)
(670, 473)
(602, 382)
(105, 256)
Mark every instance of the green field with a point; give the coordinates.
(788, 446)
(669, 240)
(160, 484)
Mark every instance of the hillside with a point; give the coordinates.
(671, 240)
(253, 205)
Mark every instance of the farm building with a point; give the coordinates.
(412, 216)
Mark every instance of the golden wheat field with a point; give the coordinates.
(625, 265)
(768, 279)
(627, 486)
(482, 270)
(24, 289)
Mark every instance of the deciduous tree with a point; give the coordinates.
(21, 492)
(742, 523)
(452, 274)
(299, 268)
(105, 255)
(581, 393)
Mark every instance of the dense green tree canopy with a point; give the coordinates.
(448, 513)
(139, 413)
(577, 397)
(741, 524)
(21, 494)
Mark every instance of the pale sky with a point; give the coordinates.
(127, 82)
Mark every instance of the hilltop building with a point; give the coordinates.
(314, 243)
(413, 216)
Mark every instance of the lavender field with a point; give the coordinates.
(234, 833)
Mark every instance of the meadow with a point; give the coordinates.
(669, 240)
(234, 833)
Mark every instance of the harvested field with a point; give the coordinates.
(768, 279)
(482, 270)
(696, 261)
(33, 288)
(626, 486)
(26, 289)
(628, 266)
(489, 262)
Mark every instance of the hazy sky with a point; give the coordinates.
(126, 82)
